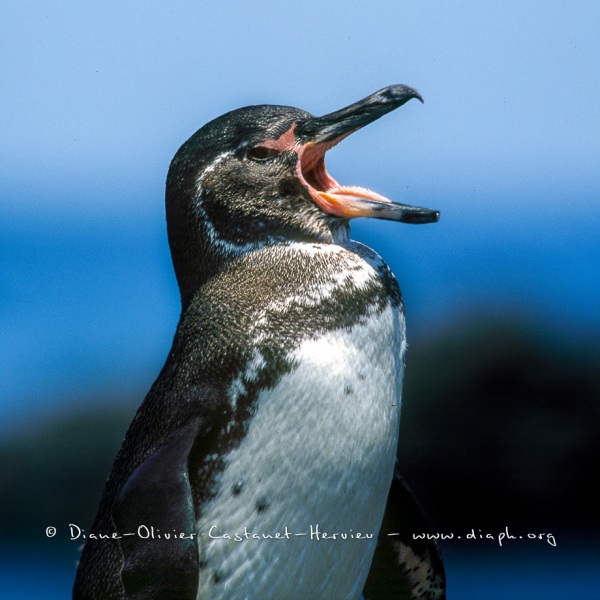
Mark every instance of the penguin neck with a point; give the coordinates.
(198, 253)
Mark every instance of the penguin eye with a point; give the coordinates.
(262, 153)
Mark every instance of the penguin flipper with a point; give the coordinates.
(405, 568)
(156, 500)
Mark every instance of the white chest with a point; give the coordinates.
(318, 457)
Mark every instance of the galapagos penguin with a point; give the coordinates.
(261, 464)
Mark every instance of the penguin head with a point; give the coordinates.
(256, 176)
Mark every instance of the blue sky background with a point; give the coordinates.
(95, 98)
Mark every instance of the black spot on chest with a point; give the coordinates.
(261, 505)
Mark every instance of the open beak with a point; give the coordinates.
(316, 135)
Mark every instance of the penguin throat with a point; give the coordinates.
(311, 170)
(344, 201)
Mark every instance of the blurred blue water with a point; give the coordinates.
(23, 576)
(91, 306)
(473, 578)
(566, 576)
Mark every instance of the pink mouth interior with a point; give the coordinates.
(311, 169)
(326, 192)
(312, 173)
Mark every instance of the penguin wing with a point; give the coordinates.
(156, 502)
(403, 567)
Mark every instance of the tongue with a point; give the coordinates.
(350, 202)
(346, 193)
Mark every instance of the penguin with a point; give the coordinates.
(262, 462)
